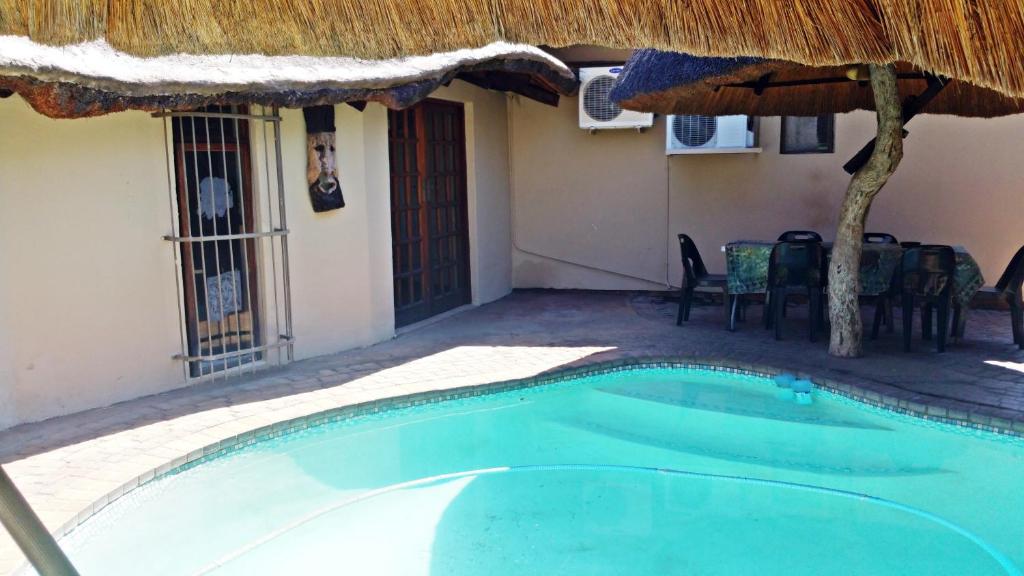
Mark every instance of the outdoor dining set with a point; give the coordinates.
(940, 280)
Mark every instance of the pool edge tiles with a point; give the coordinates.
(227, 446)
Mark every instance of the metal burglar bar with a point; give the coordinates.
(225, 241)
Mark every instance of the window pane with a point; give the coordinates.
(808, 134)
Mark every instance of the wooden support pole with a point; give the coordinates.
(912, 107)
(29, 533)
(844, 269)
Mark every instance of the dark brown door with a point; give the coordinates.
(430, 238)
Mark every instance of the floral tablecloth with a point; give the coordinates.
(747, 269)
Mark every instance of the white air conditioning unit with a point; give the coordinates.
(597, 112)
(697, 134)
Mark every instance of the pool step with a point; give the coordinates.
(737, 404)
(841, 463)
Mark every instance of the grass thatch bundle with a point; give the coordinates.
(674, 83)
(981, 41)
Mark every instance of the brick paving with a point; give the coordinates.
(66, 464)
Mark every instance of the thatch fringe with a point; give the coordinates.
(981, 41)
(92, 78)
(976, 40)
(673, 83)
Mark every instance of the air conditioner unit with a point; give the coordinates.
(597, 112)
(697, 134)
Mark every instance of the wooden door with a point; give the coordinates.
(429, 231)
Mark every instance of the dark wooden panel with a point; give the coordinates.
(430, 235)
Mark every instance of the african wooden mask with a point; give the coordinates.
(321, 167)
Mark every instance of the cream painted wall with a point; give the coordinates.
(329, 252)
(88, 298)
(601, 211)
(378, 215)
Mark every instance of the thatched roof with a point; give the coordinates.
(981, 41)
(674, 83)
(92, 78)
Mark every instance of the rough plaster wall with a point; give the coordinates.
(330, 251)
(378, 207)
(600, 200)
(90, 305)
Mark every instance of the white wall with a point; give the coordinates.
(614, 201)
(88, 298)
(332, 289)
(89, 301)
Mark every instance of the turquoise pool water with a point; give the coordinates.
(648, 471)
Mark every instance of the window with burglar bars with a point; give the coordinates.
(232, 249)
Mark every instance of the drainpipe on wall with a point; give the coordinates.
(511, 98)
(29, 533)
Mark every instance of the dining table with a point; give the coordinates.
(747, 271)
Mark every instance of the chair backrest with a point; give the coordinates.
(927, 270)
(799, 263)
(1012, 278)
(799, 235)
(869, 260)
(693, 265)
(879, 238)
(909, 244)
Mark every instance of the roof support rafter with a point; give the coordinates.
(912, 106)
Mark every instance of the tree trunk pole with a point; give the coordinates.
(844, 270)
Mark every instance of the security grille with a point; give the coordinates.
(693, 130)
(596, 102)
(231, 251)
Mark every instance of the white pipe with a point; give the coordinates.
(29, 533)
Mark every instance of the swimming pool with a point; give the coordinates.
(643, 471)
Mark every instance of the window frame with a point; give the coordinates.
(831, 143)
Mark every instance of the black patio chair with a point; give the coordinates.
(796, 268)
(1008, 289)
(926, 276)
(879, 238)
(799, 236)
(883, 301)
(695, 275)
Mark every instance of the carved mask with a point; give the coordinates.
(321, 165)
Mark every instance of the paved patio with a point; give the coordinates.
(67, 464)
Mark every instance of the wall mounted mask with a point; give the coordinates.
(321, 167)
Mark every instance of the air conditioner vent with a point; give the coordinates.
(699, 134)
(596, 102)
(597, 111)
(693, 130)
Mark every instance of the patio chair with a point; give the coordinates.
(1007, 289)
(884, 301)
(799, 236)
(695, 275)
(926, 275)
(796, 268)
(879, 238)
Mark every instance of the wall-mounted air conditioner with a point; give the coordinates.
(597, 112)
(696, 134)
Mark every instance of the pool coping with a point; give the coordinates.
(240, 441)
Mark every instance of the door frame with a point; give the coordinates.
(464, 203)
